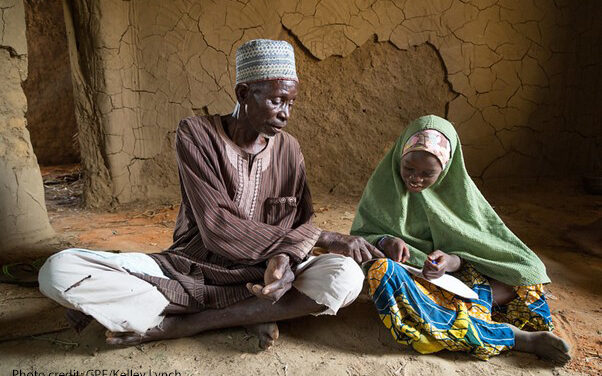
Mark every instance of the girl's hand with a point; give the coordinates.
(396, 249)
(439, 262)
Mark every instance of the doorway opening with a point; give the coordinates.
(50, 104)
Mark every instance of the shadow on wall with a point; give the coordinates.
(351, 110)
(549, 125)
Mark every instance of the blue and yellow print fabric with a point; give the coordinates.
(430, 319)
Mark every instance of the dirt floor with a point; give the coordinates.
(354, 343)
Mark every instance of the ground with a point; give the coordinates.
(350, 344)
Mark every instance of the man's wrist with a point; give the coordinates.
(324, 240)
(282, 256)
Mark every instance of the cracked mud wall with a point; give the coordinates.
(510, 74)
(24, 224)
(351, 110)
(50, 108)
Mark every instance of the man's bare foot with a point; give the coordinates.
(546, 345)
(169, 328)
(267, 333)
(248, 312)
(77, 320)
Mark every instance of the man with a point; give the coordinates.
(243, 236)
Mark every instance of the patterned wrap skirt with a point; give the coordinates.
(431, 319)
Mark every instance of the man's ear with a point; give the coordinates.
(242, 92)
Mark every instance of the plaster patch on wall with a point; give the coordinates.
(12, 35)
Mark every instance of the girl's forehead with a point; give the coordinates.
(420, 157)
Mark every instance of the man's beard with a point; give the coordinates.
(268, 136)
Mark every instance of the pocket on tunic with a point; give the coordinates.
(280, 211)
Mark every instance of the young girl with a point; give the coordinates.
(421, 207)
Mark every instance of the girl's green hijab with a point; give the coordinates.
(451, 215)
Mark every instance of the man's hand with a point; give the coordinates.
(351, 246)
(438, 262)
(278, 279)
(396, 249)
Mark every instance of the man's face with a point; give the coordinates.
(419, 170)
(269, 105)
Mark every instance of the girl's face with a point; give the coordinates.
(419, 170)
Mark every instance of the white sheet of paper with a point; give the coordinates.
(446, 282)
